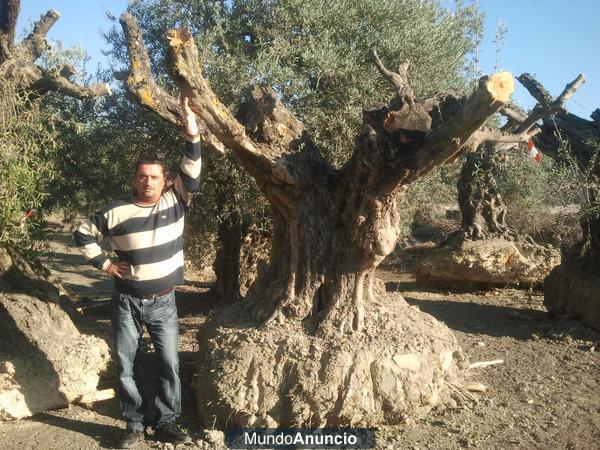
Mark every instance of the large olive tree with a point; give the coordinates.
(323, 332)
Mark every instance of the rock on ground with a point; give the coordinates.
(494, 262)
(45, 362)
(283, 375)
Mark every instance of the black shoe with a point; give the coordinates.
(173, 433)
(130, 438)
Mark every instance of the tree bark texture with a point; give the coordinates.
(227, 260)
(332, 227)
(17, 61)
(243, 250)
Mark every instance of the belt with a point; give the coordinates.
(126, 290)
(157, 294)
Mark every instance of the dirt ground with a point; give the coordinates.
(544, 395)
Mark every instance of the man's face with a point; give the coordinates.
(149, 182)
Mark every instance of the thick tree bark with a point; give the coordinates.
(17, 62)
(244, 245)
(332, 227)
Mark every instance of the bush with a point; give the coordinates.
(543, 200)
(27, 149)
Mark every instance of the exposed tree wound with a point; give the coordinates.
(139, 82)
(34, 45)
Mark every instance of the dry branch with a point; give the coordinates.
(49, 82)
(475, 387)
(479, 364)
(552, 114)
(398, 79)
(546, 106)
(97, 396)
(34, 45)
(140, 83)
(462, 393)
(536, 89)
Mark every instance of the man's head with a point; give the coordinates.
(149, 179)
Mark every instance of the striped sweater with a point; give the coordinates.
(148, 237)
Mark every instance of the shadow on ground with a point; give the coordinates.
(105, 435)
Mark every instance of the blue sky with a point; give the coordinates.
(554, 40)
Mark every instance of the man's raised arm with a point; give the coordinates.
(188, 177)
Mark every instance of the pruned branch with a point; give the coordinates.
(261, 161)
(187, 73)
(49, 82)
(422, 137)
(536, 89)
(399, 79)
(513, 113)
(502, 137)
(445, 142)
(555, 119)
(139, 82)
(546, 106)
(34, 45)
(569, 90)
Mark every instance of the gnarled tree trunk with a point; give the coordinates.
(315, 342)
(482, 209)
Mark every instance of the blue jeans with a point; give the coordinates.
(159, 315)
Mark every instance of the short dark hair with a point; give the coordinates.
(150, 159)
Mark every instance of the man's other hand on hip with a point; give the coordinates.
(119, 269)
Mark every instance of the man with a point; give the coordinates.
(146, 234)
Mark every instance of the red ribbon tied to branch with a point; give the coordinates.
(534, 152)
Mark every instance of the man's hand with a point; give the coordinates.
(119, 269)
(189, 117)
